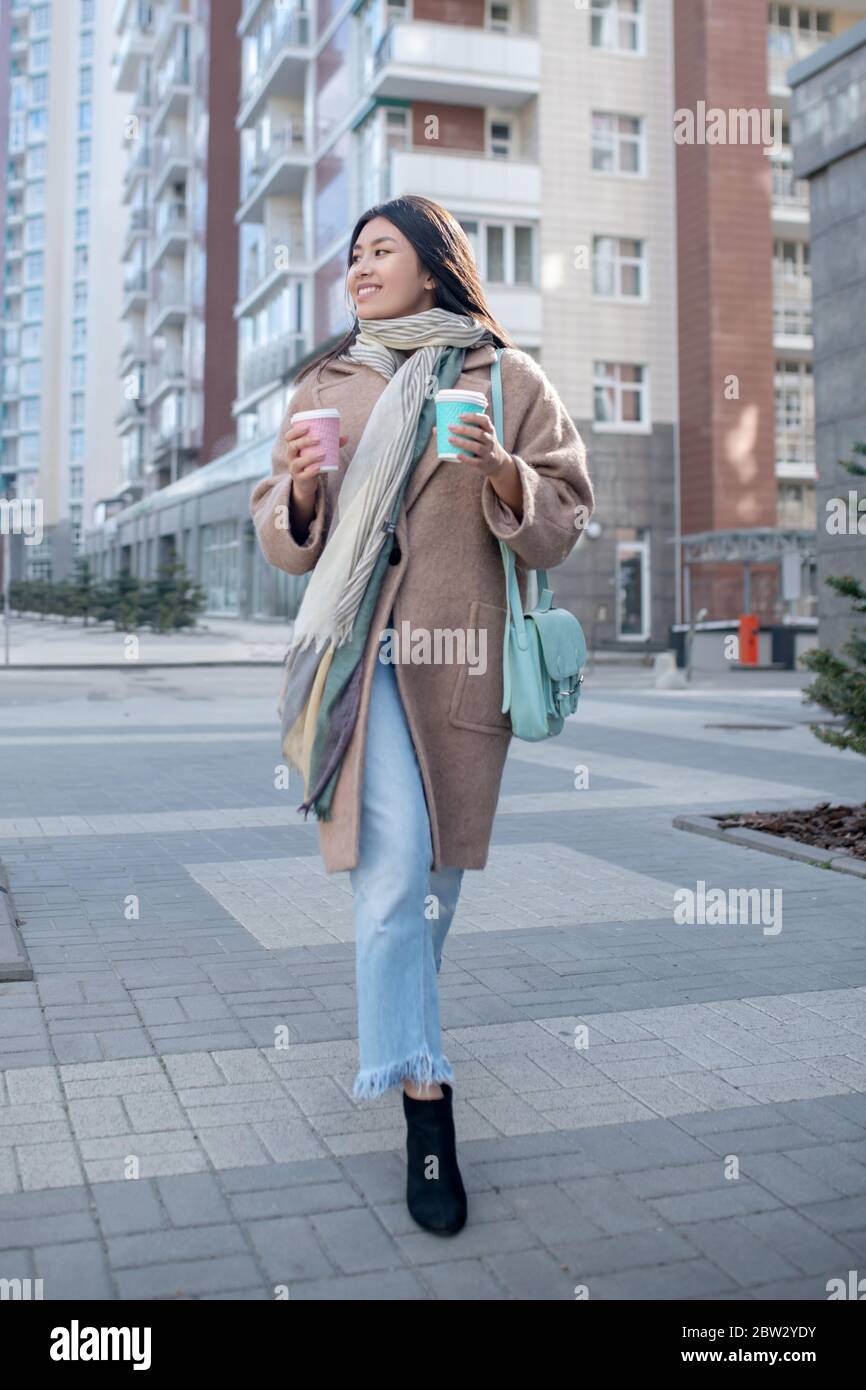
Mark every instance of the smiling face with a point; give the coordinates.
(386, 279)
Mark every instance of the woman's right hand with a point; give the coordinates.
(305, 456)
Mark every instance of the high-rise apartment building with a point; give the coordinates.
(180, 61)
(61, 298)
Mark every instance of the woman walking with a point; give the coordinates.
(403, 753)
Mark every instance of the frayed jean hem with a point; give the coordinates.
(420, 1068)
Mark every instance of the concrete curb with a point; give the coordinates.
(14, 962)
(773, 844)
(134, 665)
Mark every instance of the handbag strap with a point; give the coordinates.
(512, 592)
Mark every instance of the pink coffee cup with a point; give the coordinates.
(323, 429)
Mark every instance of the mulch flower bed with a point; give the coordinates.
(840, 828)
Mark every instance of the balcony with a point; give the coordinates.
(467, 182)
(166, 374)
(133, 351)
(419, 61)
(284, 256)
(131, 413)
(173, 88)
(137, 229)
(170, 439)
(282, 66)
(136, 44)
(138, 166)
(171, 231)
(173, 14)
(271, 364)
(790, 198)
(277, 171)
(785, 47)
(169, 306)
(171, 160)
(792, 315)
(135, 289)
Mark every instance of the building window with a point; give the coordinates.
(617, 26)
(620, 396)
(504, 251)
(39, 90)
(500, 141)
(76, 444)
(30, 448)
(618, 268)
(79, 298)
(85, 116)
(79, 335)
(85, 82)
(86, 50)
(86, 13)
(795, 505)
(82, 188)
(84, 152)
(78, 373)
(32, 306)
(30, 412)
(81, 260)
(82, 224)
(632, 591)
(31, 340)
(792, 288)
(76, 482)
(77, 408)
(40, 52)
(40, 19)
(34, 232)
(31, 377)
(37, 125)
(499, 16)
(795, 414)
(34, 196)
(618, 144)
(220, 566)
(37, 161)
(34, 268)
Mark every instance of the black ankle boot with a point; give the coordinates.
(437, 1204)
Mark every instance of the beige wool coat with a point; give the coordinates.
(449, 576)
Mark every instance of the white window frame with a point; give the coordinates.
(482, 225)
(620, 426)
(498, 28)
(618, 137)
(610, 10)
(642, 548)
(500, 118)
(619, 262)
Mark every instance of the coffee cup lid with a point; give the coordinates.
(452, 394)
(328, 414)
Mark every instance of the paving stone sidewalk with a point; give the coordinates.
(647, 1108)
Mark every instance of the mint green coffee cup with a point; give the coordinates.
(450, 405)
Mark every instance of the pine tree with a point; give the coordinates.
(840, 684)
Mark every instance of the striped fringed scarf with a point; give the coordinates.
(321, 691)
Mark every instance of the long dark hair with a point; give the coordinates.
(445, 252)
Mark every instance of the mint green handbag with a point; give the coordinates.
(544, 650)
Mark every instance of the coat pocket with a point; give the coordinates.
(477, 699)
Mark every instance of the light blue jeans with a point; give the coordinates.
(398, 934)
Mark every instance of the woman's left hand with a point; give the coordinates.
(478, 440)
